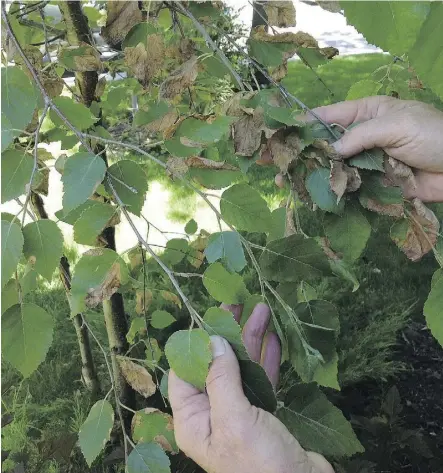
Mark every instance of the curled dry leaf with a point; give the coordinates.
(289, 222)
(100, 87)
(180, 79)
(137, 376)
(400, 174)
(146, 60)
(418, 234)
(280, 13)
(343, 178)
(284, 147)
(166, 122)
(176, 167)
(143, 300)
(121, 17)
(247, 132)
(204, 163)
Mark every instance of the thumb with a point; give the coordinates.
(223, 383)
(378, 132)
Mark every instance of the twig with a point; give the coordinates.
(42, 15)
(35, 166)
(211, 43)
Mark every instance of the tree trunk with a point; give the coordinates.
(113, 310)
(89, 373)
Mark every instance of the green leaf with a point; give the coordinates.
(305, 292)
(92, 221)
(152, 352)
(390, 25)
(244, 208)
(191, 227)
(341, 269)
(249, 306)
(133, 191)
(293, 259)
(278, 227)
(72, 216)
(12, 247)
(155, 111)
(426, 55)
(9, 295)
(224, 286)
(317, 424)
(77, 114)
(220, 322)
(98, 274)
(16, 173)
(43, 245)
(19, 99)
(139, 34)
(363, 88)
(161, 319)
(148, 458)
(203, 133)
(82, 174)
(319, 188)
(189, 354)
(137, 327)
(176, 250)
(26, 336)
(267, 53)
(432, 309)
(256, 386)
(215, 178)
(152, 425)
(319, 327)
(96, 430)
(227, 247)
(372, 160)
(175, 146)
(286, 116)
(349, 233)
(375, 196)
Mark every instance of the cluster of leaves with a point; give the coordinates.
(210, 141)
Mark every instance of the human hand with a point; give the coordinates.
(220, 429)
(407, 130)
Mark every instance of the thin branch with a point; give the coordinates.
(35, 166)
(211, 43)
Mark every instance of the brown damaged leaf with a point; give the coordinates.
(137, 376)
(176, 167)
(289, 223)
(284, 147)
(204, 163)
(171, 297)
(280, 13)
(400, 174)
(81, 58)
(343, 179)
(247, 132)
(180, 79)
(109, 285)
(418, 234)
(121, 17)
(164, 123)
(146, 60)
(143, 299)
(137, 422)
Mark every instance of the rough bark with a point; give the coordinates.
(89, 373)
(113, 310)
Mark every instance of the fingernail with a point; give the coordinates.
(218, 346)
(337, 146)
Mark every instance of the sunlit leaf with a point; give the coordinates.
(224, 286)
(12, 248)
